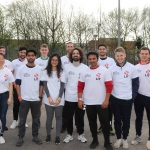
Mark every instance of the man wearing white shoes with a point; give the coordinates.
(72, 71)
(15, 65)
(142, 100)
(126, 83)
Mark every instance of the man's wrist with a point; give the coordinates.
(79, 99)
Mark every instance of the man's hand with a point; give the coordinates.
(105, 104)
(80, 104)
(9, 101)
(20, 98)
(51, 101)
(57, 101)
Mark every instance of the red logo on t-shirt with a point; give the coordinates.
(147, 73)
(6, 77)
(126, 74)
(36, 77)
(98, 76)
(106, 65)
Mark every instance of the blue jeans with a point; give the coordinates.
(3, 109)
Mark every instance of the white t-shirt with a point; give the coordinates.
(42, 62)
(64, 61)
(8, 65)
(16, 64)
(122, 80)
(106, 62)
(30, 81)
(6, 77)
(95, 90)
(53, 84)
(144, 79)
(72, 75)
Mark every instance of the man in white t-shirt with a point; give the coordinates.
(42, 62)
(94, 88)
(125, 87)
(64, 61)
(72, 71)
(15, 65)
(29, 92)
(105, 61)
(143, 98)
(7, 63)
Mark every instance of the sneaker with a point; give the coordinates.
(57, 140)
(136, 140)
(52, 127)
(68, 138)
(94, 144)
(2, 140)
(148, 144)
(82, 138)
(26, 125)
(63, 130)
(118, 143)
(37, 140)
(6, 129)
(125, 144)
(19, 142)
(17, 123)
(99, 130)
(112, 132)
(13, 125)
(48, 139)
(108, 146)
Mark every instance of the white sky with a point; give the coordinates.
(90, 6)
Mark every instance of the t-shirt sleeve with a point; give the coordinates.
(63, 77)
(13, 66)
(44, 76)
(134, 73)
(18, 76)
(81, 77)
(11, 77)
(108, 76)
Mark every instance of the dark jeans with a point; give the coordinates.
(122, 113)
(92, 112)
(3, 109)
(16, 104)
(71, 108)
(140, 103)
(23, 112)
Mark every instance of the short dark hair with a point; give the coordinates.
(31, 50)
(145, 48)
(92, 53)
(81, 52)
(22, 48)
(2, 47)
(102, 45)
(1, 54)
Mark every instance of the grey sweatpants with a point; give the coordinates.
(58, 115)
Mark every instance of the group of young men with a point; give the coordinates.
(104, 88)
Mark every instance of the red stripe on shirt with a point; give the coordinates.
(80, 86)
(109, 86)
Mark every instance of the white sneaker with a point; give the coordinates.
(118, 143)
(136, 140)
(2, 140)
(26, 125)
(125, 144)
(68, 138)
(17, 123)
(13, 125)
(82, 138)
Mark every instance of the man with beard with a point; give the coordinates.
(72, 71)
(106, 62)
(15, 65)
(28, 85)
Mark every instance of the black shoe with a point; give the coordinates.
(94, 144)
(37, 140)
(6, 129)
(63, 130)
(19, 142)
(48, 139)
(108, 146)
(57, 140)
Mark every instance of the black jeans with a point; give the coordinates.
(72, 108)
(122, 114)
(16, 104)
(92, 112)
(23, 112)
(140, 103)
